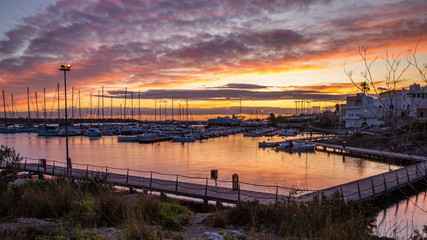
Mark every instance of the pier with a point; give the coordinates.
(363, 152)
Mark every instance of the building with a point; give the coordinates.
(361, 110)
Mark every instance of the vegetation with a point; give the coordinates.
(76, 202)
(9, 161)
(322, 218)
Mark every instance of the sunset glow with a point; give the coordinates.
(221, 56)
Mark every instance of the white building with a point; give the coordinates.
(361, 110)
(411, 99)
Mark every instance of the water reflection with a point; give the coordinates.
(232, 154)
(399, 220)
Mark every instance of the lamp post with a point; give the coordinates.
(66, 69)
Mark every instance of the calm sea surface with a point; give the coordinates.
(229, 155)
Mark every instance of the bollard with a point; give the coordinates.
(235, 181)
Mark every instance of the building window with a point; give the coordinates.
(421, 114)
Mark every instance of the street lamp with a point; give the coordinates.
(66, 69)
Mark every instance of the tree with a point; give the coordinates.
(9, 163)
(364, 86)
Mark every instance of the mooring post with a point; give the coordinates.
(176, 186)
(151, 180)
(373, 189)
(385, 183)
(358, 190)
(127, 177)
(277, 193)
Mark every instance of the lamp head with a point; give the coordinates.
(62, 66)
(68, 65)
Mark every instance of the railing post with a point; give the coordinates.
(25, 164)
(238, 193)
(38, 165)
(176, 186)
(385, 183)
(358, 190)
(397, 180)
(407, 174)
(127, 177)
(151, 180)
(342, 193)
(206, 190)
(277, 192)
(87, 171)
(373, 188)
(53, 168)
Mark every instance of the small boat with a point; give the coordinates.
(285, 146)
(253, 134)
(184, 138)
(128, 138)
(92, 132)
(288, 132)
(265, 144)
(303, 146)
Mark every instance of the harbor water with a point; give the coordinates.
(229, 155)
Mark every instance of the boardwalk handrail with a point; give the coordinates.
(199, 187)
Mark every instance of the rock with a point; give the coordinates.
(213, 236)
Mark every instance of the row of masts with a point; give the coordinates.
(100, 112)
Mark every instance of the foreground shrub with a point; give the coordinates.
(322, 218)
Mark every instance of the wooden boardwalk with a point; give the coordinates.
(375, 186)
(199, 188)
(207, 189)
(369, 152)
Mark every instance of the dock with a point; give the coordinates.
(362, 152)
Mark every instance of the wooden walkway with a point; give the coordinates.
(207, 189)
(369, 152)
(199, 188)
(375, 186)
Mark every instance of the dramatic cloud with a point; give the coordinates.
(163, 44)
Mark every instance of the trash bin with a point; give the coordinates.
(235, 180)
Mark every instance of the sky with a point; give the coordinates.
(223, 57)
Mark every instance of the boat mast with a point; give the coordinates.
(98, 109)
(13, 113)
(90, 107)
(37, 106)
(80, 109)
(131, 104)
(59, 114)
(111, 110)
(187, 110)
(44, 106)
(155, 110)
(124, 107)
(139, 105)
(72, 103)
(172, 110)
(102, 105)
(28, 105)
(4, 108)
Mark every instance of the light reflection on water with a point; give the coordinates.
(232, 154)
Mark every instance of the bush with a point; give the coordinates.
(323, 218)
(10, 163)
